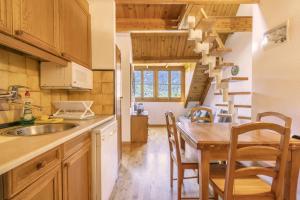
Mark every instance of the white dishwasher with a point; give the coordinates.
(104, 160)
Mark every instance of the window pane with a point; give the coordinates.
(163, 81)
(137, 83)
(163, 77)
(163, 90)
(175, 90)
(176, 77)
(148, 84)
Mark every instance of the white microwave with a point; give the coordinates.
(72, 76)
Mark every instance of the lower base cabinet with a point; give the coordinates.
(48, 187)
(63, 173)
(76, 175)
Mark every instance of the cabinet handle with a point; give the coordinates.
(41, 165)
(67, 164)
(19, 32)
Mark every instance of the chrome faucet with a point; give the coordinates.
(12, 94)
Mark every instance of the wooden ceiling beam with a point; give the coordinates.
(165, 60)
(131, 24)
(221, 24)
(203, 2)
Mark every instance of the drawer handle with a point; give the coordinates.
(19, 32)
(41, 165)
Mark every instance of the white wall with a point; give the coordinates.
(124, 43)
(276, 71)
(241, 55)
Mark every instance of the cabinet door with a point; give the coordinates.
(76, 175)
(6, 16)
(76, 31)
(48, 187)
(37, 22)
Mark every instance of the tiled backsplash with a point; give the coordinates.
(17, 69)
(102, 93)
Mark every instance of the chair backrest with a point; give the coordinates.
(195, 117)
(287, 120)
(259, 152)
(173, 136)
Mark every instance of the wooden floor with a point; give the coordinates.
(144, 174)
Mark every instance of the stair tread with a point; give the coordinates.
(220, 51)
(235, 78)
(245, 117)
(223, 65)
(236, 105)
(233, 93)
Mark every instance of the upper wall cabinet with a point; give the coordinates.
(103, 34)
(37, 22)
(6, 16)
(76, 31)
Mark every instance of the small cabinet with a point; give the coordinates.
(139, 127)
(48, 187)
(37, 22)
(6, 16)
(76, 170)
(76, 31)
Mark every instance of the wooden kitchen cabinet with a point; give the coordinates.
(76, 31)
(6, 16)
(77, 171)
(48, 187)
(37, 23)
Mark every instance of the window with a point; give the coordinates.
(159, 84)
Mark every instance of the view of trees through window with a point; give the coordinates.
(157, 84)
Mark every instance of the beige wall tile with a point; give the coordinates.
(4, 80)
(17, 79)
(33, 82)
(107, 76)
(97, 76)
(107, 88)
(3, 60)
(16, 63)
(36, 98)
(97, 109)
(97, 89)
(108, 110)
(46, 98)
(107, 99)
(32, 67)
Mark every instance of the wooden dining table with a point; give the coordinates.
(212, 142)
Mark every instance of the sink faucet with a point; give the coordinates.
(12, 94)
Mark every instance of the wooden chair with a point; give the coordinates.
(287, 120)
(177, 155)
(243, 182)
(194, 118)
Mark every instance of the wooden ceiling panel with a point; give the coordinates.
(149, 11)
(162, 46)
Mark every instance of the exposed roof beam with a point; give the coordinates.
(165, 60)
(183, 15)
(230, 24)
(135, 24)
(221, 24)
(187, 1)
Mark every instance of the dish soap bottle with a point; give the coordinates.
(27, 109)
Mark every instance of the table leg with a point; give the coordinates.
(204, 160)
(293, 170)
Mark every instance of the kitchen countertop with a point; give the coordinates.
(16, 150)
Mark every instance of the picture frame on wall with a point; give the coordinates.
(276, 36)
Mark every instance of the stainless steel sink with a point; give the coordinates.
(42, 129)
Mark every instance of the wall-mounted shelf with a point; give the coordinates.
(234, 93)
(236, 106)
(234, 79)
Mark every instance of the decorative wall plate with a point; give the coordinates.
(235, 70)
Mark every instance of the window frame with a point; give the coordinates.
(155, 70)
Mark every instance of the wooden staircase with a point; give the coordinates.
(210, 68)
(198, 87)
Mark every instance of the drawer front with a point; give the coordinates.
(74, 145)
(24, 175)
